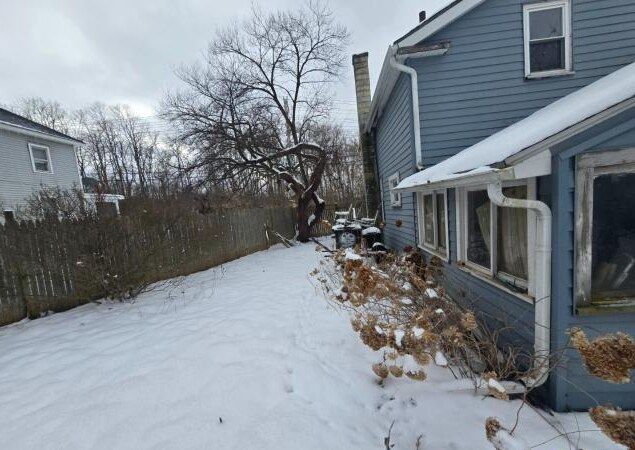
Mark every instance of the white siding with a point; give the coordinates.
(17, 178)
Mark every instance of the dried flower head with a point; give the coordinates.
(468, 321)
(616, 424)
(609, 357)
(419, 375)
(381, 370)
(492, 427)
(396, 371)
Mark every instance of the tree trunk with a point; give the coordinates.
(304, 229)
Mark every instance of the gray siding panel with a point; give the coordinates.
(17, 178)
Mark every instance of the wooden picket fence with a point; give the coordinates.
(57, 265)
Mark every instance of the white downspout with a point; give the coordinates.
(415, 105)
(542, 304)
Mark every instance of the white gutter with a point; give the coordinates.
(415, 102)
(542, 305)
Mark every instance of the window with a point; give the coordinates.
(395, 197)
(9, 216)
(605, 230)
(433, 232)
(496, 240)
(40, 158)
(547, 31)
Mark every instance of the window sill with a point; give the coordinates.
(550, 74)
(602, 308)
(486, 277)
(434, 252)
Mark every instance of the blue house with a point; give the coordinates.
(503, 134)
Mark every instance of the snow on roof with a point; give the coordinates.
(544, 123)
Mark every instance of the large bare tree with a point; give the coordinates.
(249, 108)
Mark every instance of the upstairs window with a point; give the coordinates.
(395, 196)
(40, 158)
(547, 30)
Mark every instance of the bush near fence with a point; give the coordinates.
(57, 265)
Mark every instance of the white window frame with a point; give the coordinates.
(491, 273)
(395, 197)
(33, 159)
(566, 29)
(434, 248)
(588, 168)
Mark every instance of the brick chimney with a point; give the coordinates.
(362, 93)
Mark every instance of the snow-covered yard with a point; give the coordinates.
(250, 356)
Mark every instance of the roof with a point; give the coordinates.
(489, 154)
(20, 123)
(389, 76)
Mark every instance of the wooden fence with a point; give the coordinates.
(54, 266)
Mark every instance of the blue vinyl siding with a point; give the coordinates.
(394, 143)
(478, 87)
(571, 386)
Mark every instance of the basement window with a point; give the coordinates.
(432, 213)
(547, 36)
(605, 232)
(40, 158)
(497, 241)
(395, 196)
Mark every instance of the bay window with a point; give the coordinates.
(605, 230)
(495, 240)
(432, 216)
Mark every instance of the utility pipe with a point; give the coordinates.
(415, 104)
(542, 263)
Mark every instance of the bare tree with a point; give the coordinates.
(47, 112)
(249, 107)
(343, 179)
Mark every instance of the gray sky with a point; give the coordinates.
(125, 51)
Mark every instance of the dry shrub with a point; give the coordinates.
(609, 357)
(399, 307)
(618, 425)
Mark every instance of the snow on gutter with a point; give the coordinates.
(38, 134)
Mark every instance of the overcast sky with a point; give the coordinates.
(125, 51)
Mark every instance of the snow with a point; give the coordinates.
(544, 123)
(311, 219)
(431, 293)
(371, 230)
(350, 255)
(505, 441)
(440, 360)
(494, 384)
(249, 356)
(399, 334)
